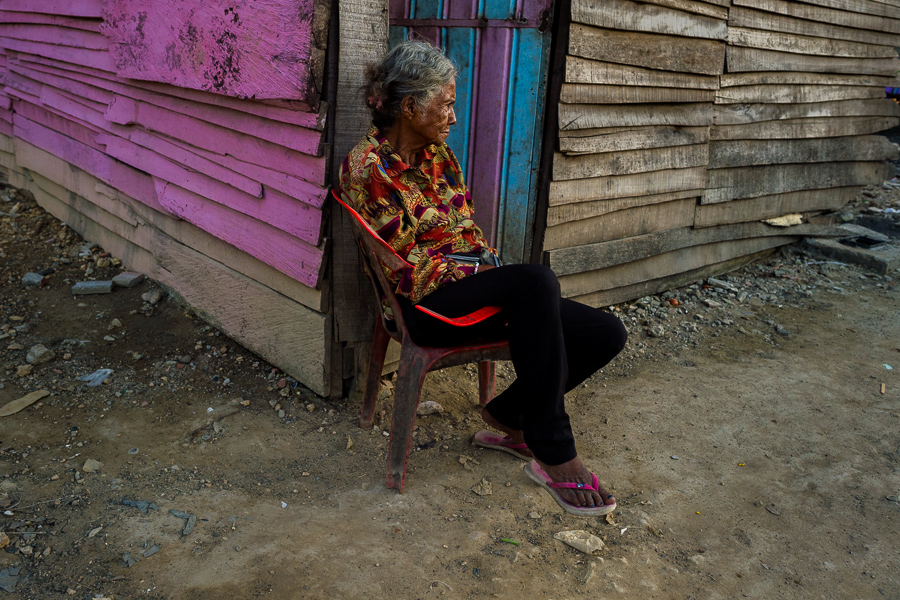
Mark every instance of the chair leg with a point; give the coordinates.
(485, 382)
(410, 377)
(380, 340)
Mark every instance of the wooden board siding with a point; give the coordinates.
(248, 49)
(219, 197)
(682, 124)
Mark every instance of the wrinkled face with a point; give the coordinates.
(432, 124)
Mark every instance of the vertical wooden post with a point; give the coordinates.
(362, 41)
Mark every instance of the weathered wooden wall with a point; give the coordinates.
(684, 123)
(144, 137)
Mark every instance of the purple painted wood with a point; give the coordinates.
(295, 218)
(242, 48)
(488, 136)
(62, 36)
(69, 8)
(91, 58)
(270, 245)
(6, 128)
(77, 130)
(8, 16)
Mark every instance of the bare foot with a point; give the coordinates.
(574, 471)
(516, 436)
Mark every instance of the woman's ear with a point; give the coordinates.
(408, 107)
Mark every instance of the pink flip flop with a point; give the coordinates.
(540, 477)
(495, 441)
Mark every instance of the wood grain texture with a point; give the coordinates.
(582, 70)
(33, 18)
(801, 44)
(803, 128)
(717, 10)
(740, 16)
(810, 12)
(246, 49)
(69, 8)
(97, 59)
(628, 162)
(738, 114)
(590, 116)
(654, 51)
(272, 246)
(620, 94)
(754, 59)
(776, 205)
(60, 36)
(613, 139)
(794, 94)
(797, 78)
(661, 284)
(741, 153)
(568, 261)
(646, 17)
(626, 186)
(564, 213)
(621, 224)
(752, 182)
(665, 265)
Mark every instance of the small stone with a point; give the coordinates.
(893, 498)
(534, 515)
(780, 330)
(39, 354)
(656, 331)
(773, 509)
(33, 279)
(153, 296)
(114, 324)
(184, 359)
(24, 370)
(674, 457)
(92, 287)
(26, 550)
(103, 262)
(429, 407)
(483, 487)
(712, 303)
(91, 466)
(128, 279)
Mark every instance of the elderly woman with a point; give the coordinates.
(404, 180)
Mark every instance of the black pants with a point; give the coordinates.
(555, 345)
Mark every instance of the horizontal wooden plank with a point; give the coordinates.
(579, 93)
(69, 8)
(582, 70)
(626, 186)
(9, 16)
(76, 129)
(290, 113)
(6, 144)
(97, 59)
(272, 246)
(298, 219)
(654, 51)
(565, 213)
(753, 59)
(624, 223)
(738, 114)
(776, 205)
(591, 116)
(803, 128)
(744, 153)
(264, 49)
(717, 10)
(628, 162)
(866, 7)
(809, 12)
(739, 16)
(795, 94)
(58, 36)
(664, 265)
(668, 282)
(568, 261)
(613, 139)
(751, 182)
(799, 78)
(646, 17)
(801, 44)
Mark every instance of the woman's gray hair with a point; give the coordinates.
(415, 69)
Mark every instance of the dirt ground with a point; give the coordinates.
(750, 430)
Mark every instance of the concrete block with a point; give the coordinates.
(92, 287)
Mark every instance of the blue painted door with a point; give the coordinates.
(501, 48)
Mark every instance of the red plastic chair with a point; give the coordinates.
(415, 360)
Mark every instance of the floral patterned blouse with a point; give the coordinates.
(422, 212)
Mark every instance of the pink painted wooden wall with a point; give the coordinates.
(153, 98)
(243, 48)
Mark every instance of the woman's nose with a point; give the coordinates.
(452, 116)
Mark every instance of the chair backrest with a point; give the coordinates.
(377, 253)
